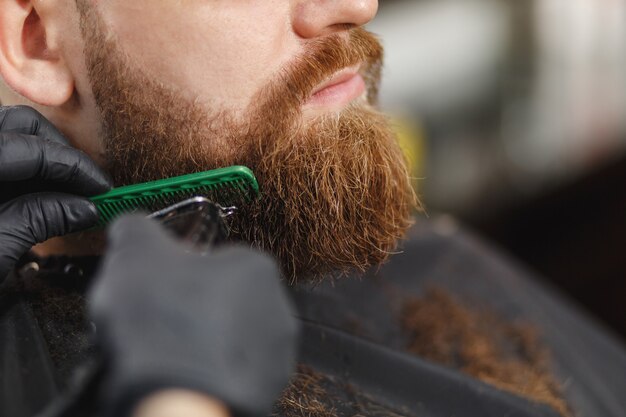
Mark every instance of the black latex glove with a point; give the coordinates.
(41, 181)
(220, 324)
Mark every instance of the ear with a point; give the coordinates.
(30, 59)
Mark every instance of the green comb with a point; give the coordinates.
(225, 186)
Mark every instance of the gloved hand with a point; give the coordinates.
(165, 317)
(42, 181)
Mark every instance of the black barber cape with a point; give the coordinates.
(354, 342)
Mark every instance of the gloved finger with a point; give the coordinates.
(134, 245)
(28, 121)
(25, 157)
(35, 218)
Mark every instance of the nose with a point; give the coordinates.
(313, 18)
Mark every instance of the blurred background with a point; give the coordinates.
(515, 112)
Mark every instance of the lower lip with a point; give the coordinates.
(338, 95)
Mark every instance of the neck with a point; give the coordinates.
(77, 244)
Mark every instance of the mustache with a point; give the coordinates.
(324, 57)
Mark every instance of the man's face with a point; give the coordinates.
(220, 53)
(266, 85)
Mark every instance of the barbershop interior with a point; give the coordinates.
(513, 115)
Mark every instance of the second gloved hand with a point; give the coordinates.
(43, 184)
(219, 324)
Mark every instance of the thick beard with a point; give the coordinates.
(335, 193)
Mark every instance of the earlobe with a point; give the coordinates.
(30, 62)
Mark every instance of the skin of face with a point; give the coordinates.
(218, 53)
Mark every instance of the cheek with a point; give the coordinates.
(81, 124)
(220, 53)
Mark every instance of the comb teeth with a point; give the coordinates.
(225, 186)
